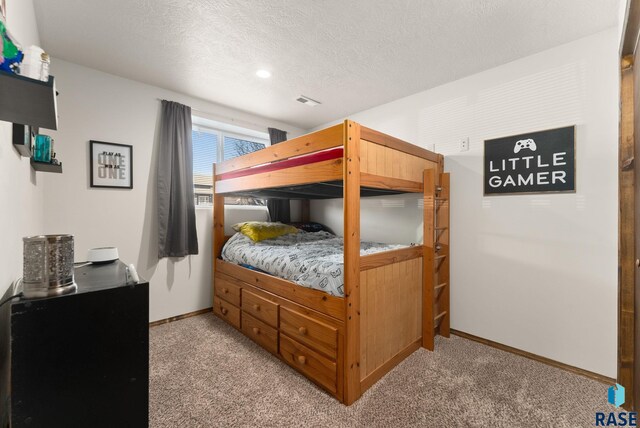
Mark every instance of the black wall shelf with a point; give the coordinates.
(28, 101)
(23, 139)
(46, 167)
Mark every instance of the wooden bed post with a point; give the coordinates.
(352, 261)
(218, 228)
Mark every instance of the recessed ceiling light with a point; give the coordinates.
(265, 74)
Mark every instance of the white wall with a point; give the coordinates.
(395, 219)
(98, 106)
(623, 8)
(536, 272)
(20, 187)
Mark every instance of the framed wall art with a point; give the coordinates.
(536, 162)
(111, 165)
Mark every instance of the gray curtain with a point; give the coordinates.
(279, 209)
(176, 211)
(277, 135)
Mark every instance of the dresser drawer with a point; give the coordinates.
(265, 336)
(313, 365)
(319, 336)
(227, 290)
(260, 308)
(226, 311)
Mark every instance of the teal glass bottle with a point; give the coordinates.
(42, 152)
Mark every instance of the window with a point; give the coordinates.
(215, 141)
(236, 146)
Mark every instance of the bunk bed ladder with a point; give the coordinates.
(435, 313)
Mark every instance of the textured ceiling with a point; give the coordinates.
(350, 55)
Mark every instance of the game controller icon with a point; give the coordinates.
(525, 144)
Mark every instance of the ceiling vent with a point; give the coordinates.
(307, 101)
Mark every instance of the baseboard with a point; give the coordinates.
(180, 317)
(538, 358)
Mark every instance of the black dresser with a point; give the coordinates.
(78, 360)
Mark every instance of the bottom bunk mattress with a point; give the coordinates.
(310, 259)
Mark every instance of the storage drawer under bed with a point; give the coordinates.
(260, 308)
(261, 333)
(227, 290)
(316, 367)
(317, 335)
(226, 311)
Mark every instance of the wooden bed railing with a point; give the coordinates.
(328, 170)
(314, 299)
(385, 162)
(372, 261)
(305, 144)
(397, 144)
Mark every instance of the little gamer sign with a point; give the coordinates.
(536, 162)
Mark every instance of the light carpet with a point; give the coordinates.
(204, 373)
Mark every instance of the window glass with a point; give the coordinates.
(234, 147)
(210, 145)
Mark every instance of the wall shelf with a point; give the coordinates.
(23, 139)
(28, 101)
(46, 167)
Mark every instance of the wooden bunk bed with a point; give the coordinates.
(394, 301)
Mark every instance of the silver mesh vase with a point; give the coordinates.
(48, 265)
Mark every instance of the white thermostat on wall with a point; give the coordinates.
(102, 255)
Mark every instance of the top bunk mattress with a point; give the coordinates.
(310, 259)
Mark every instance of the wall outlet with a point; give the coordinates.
(464, 145)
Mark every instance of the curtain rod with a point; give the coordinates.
(224, 118)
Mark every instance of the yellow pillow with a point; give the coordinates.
(261, 230)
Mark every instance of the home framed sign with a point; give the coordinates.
(111, 165)
(536, 162)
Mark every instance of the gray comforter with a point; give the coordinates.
(310, 259)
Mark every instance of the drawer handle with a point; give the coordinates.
(256, 307)
(302, 359)
(224, 310)
(225, 290)
(302, 330)
(256, 330)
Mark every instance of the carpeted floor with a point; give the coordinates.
(203, 373)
